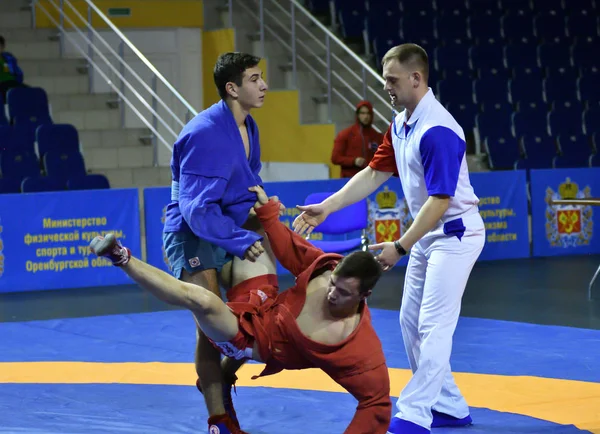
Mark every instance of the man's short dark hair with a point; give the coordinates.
(230, 67)
(2, 41)
(361, 265)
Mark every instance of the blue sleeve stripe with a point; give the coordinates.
(442, 152)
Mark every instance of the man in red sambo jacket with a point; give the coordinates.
(321, 322)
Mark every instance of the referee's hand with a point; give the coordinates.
(388, 256)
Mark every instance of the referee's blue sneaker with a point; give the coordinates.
(401, 426)
(443, 419)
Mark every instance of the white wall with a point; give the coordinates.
(175, 53)
(274, 171)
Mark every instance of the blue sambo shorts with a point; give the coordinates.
(186, 250)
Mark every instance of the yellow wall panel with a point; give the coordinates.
(214, 43)
(284, 139)
(144, 13)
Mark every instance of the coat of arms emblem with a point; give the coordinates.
(568, 225)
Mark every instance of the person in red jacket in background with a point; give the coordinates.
(355, 146)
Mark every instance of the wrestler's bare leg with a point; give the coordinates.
(240, 270)
(212, 315)
(207, 360)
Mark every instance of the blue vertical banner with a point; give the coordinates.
(564, 229)
(156, 200)
(45, 237)
(503, 207)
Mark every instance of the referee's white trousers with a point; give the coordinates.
(436, 276)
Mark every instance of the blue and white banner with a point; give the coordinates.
(503, 207)
(45, 237)
(564, 229)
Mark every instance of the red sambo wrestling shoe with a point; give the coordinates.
(227, 400)
(222, 424)
(109, 247)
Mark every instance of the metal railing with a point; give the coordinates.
(163, 116)
(314, 48)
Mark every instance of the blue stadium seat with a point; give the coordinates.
(525, 91)
(554, 55)
(16, 138)
(451, 28)
(527, 72)
(56, 137)
(64, 165)
(456, 90)
(566, 119)
(490, 90)
(503, 152)
(503, 73)
(383, 21)
(564, 73)
(3, 118)
(488, 55)
(318, 7)
(19, 164)
(418, 29)
(545, 5)
(588, 89)
(521, 55)
(575, 151)
(480, 8)
(88, 182)
(9, 185)
(464, 113)
(530, 120)
(28, 104)
(485, 29)
(345, 222)
(493, 124)
(412, 8)
(381, 45)
(517, 27)
(515, 5)
(560, 90)
(5, 138)
(584, 53)
(452, 57)
(452, 73)
(549, 26)
(582, 23)
(451, 7)
(540, 151)
(591, 120)
(352, 18)
(41, 184)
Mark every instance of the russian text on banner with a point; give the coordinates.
(564, 229)
(503, 207)
(45, 238)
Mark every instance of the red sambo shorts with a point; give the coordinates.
(247, 297)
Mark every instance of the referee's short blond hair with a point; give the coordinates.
(411, 55)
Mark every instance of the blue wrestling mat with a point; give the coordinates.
(518, 378)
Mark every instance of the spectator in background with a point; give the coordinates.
(10, 73)
(355, 146)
